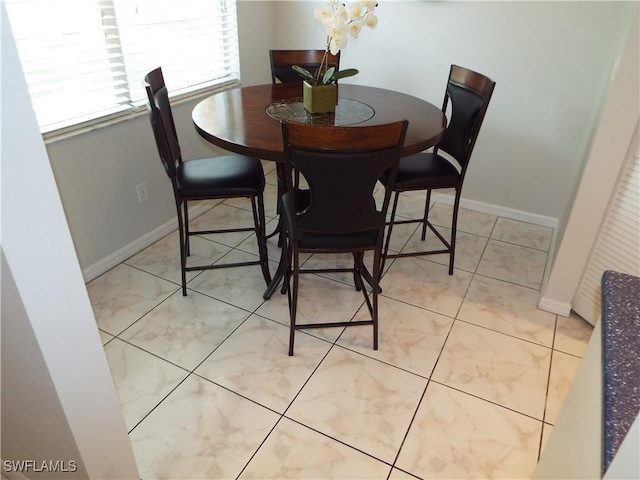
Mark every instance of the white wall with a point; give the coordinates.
(49, 315)
(551, 62)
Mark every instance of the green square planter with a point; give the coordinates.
(319, 98)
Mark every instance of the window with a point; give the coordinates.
(85, 60)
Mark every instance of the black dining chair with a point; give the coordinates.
(469, 94)
(341, 166)
(283, 60)
(221, 177)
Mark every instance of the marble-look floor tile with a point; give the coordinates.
(124, 294)
(105, 337)
(409, 337)
(455, 435)
(200, 431)
(400, 235)
(142, 380)
(410, 204)
(513, 263)
(563, 369)
(469, 221)
(296, 452)
(469, 248)
(270, 198)
(509, 309)
(239, 286)
(496, 367)
(271, 201)
(359, 401)
(522, 233)
(397, 474)
(572, 335)
(426, 284)
(184, 330)
(270, 174)
(320, 300)
(254, 362)
(250, 245)
(163, 257)
(225, 216)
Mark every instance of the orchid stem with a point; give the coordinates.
(324, 63)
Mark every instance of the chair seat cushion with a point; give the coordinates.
(223, 176)
(423, 171)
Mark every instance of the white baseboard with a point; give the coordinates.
(553, 306)
(119, 256)
(497, 210)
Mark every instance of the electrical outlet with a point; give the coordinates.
(143, 195)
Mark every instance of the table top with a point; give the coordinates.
(245, 120)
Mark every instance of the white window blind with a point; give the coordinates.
(85, 59)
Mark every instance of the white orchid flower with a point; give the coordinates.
(324, 14)
(356, 11)
(370, 20)
(342, 22)
(337, 43)
(341, 13)
(354, 29)
(337, 28)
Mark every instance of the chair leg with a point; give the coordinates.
(357, 267)
(186, 228)
(259, 219)
(425, 219)
(183, 249)
(454, 228)
(388, 240)
(374, 293)
(293, 301)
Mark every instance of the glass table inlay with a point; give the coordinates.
(348, 112)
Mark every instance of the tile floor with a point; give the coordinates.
(467, 383)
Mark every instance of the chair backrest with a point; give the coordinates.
(341, 166)
(469, 93)
(161, 118)
(282, 60)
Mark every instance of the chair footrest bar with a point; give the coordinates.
(221, 265)
(415, 254)
(326, 270)
(334, 324)
(401, 222)
(228, 230)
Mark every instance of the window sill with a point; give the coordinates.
(130, 113)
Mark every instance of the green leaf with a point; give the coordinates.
(327, 78)
(348, 72)
(303, 72)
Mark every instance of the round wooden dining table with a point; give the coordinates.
(247, 120)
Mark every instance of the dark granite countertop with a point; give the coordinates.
(620, 358)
